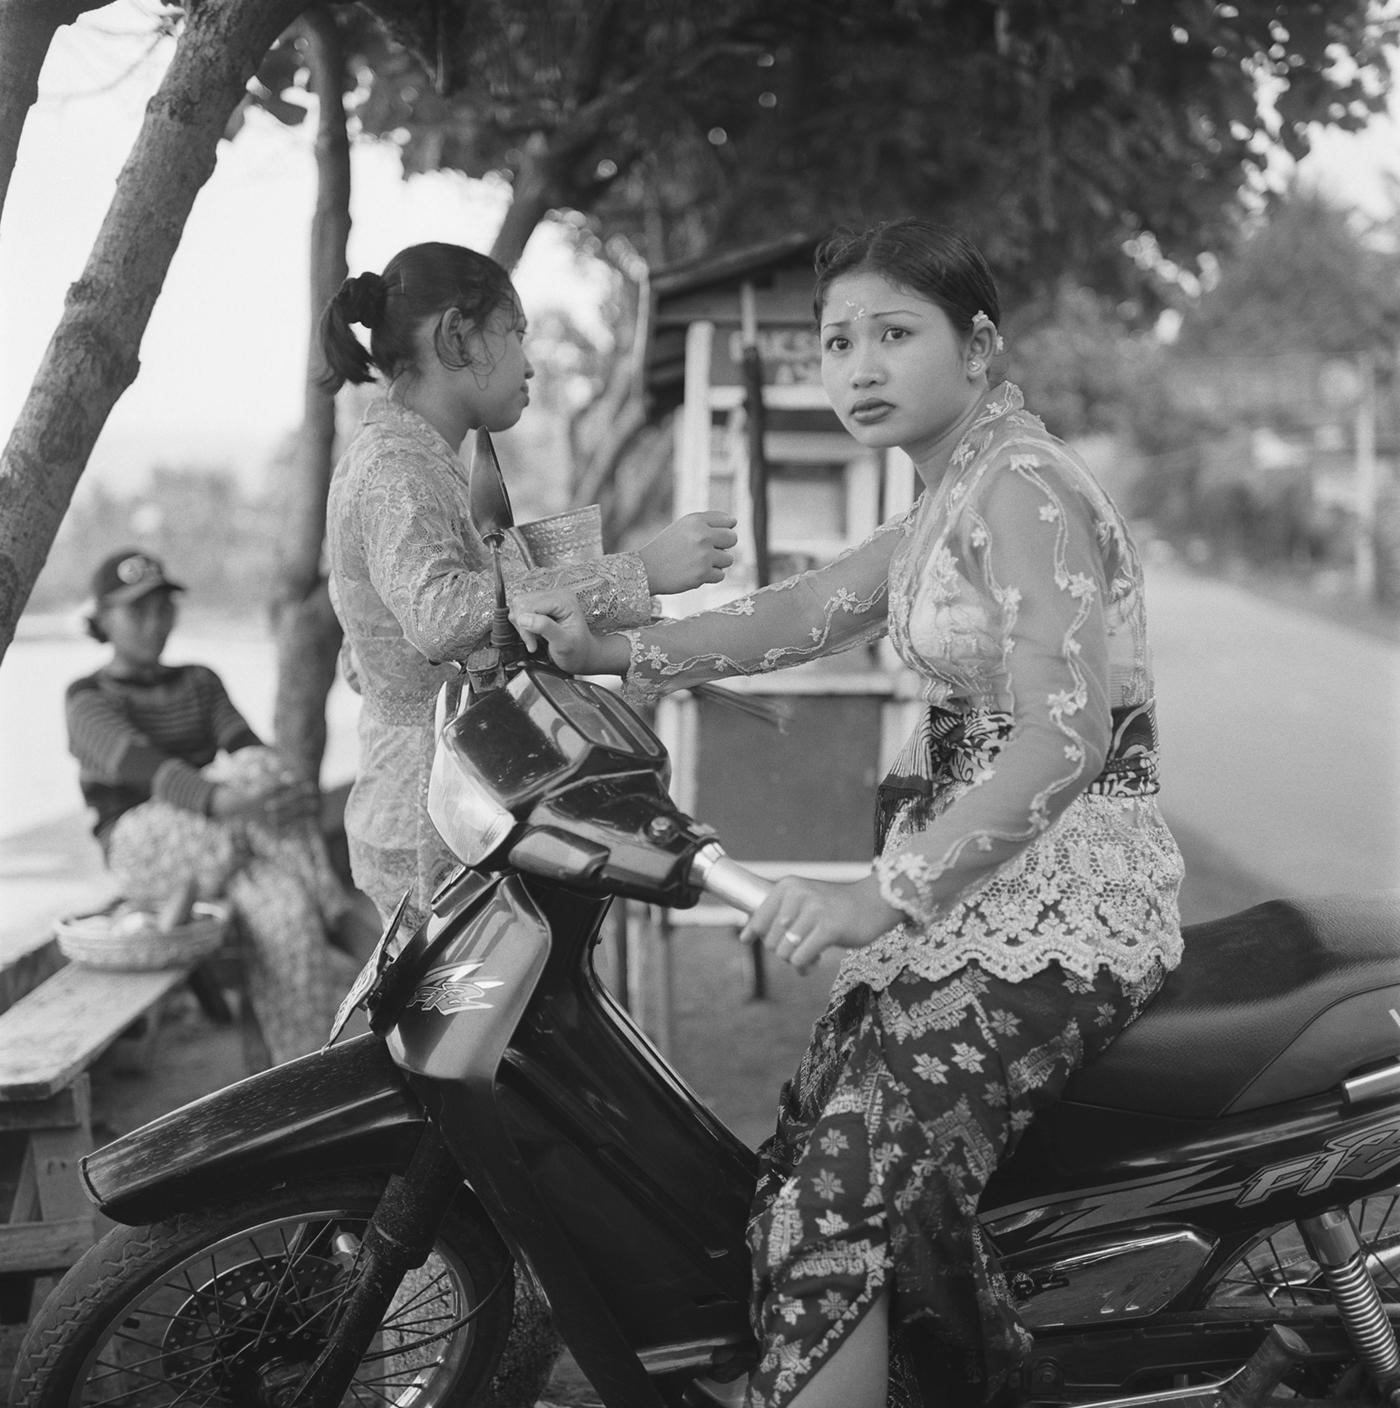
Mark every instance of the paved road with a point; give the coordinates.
(1280, 737)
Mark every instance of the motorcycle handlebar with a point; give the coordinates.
(727, 880)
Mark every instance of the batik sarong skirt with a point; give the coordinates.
(284, 890)
(904, 1103)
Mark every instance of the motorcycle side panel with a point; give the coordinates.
(1128, 1274)
(652, 1190)
(1079, 1169)
(346, 1107)
(608, 1151)
(456, 1022)
(1104, 1219)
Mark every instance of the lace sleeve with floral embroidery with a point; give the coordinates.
(821, 612)
(435, 574)
(1024, 543)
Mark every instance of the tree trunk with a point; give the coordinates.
(27, 28)
(640, 496)
(604, 432)
(535, 193)
(92, 357)
(599, 465)
(308, 634)
(601, 432)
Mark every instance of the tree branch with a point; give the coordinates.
(92, 357)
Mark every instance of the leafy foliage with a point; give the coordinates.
(1070, 354)
(1307, 278)
(1308, 286)
(1056, 131)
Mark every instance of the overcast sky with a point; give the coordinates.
(223, 357)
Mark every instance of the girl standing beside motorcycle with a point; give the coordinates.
(410, 577)
(1023, 904)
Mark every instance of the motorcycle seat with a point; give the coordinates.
(1278, 1002)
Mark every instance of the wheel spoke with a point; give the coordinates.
(238, 1303)
(136, 1394)
(1277, 1275)
(156, 1355)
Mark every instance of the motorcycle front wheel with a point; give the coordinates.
(229, 1307)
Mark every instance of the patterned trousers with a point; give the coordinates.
(905, 1102)
(283, 889)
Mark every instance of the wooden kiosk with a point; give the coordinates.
(732, 346)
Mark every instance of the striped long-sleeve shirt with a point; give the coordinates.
(135, 740)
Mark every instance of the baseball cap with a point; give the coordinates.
(129, 575)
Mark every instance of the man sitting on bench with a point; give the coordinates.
(183, 789)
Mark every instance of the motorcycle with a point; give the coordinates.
(1209, 1217)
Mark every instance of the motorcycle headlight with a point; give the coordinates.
(468, 817)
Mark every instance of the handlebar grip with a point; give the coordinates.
(729, 881)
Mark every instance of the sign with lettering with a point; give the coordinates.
(791, 356)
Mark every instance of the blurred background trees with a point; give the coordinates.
(1270, 424)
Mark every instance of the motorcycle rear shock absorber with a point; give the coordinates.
(1332, 1240)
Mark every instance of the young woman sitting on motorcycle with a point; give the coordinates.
(411, 580)
(1023, 903)
(182, 789)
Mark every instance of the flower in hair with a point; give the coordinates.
(978, 318)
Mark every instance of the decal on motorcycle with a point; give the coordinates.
(453, 988)
(1105, 1205)
(1363, 1155)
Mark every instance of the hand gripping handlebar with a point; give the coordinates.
(727, 880)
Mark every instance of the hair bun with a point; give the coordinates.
(363, 298)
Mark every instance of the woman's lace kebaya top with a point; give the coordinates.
(1013, 589)
(413, 587)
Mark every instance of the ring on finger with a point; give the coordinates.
(789, 937)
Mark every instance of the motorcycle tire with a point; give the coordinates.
(226, 1308)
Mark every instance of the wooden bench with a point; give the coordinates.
(48, 1040)
(56, 1020)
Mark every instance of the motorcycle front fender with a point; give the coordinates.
(344, 1108)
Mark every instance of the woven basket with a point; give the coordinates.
(102, 940)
